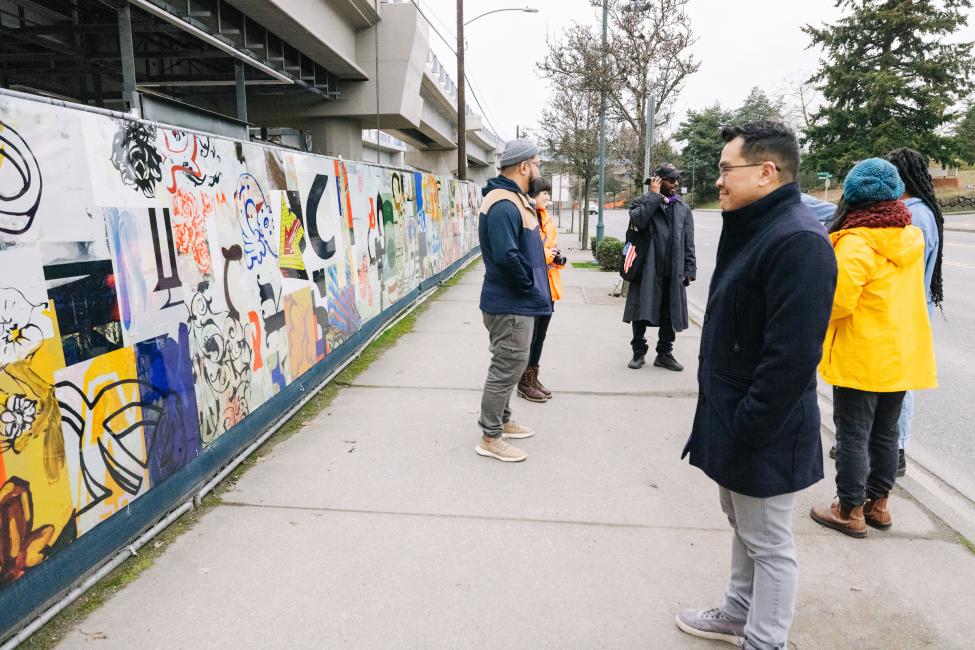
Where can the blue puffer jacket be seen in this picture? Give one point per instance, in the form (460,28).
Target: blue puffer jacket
(516,276)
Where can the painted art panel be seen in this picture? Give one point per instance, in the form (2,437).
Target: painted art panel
(221,349)
(158,285)
(302,332)
(150,291)
(35,496)
(45,188)
(125,162)
(172,433)
(104,431)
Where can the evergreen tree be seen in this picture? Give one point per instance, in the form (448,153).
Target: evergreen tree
(890,78)
(759,106)
(965,136)
(701,131)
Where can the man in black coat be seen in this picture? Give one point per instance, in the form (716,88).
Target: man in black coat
(756,432)
(659,299)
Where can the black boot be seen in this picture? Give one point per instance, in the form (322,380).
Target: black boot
(638,360)
(667,360)
(901,463)
(832,452)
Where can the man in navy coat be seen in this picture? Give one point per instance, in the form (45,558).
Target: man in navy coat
(756,431)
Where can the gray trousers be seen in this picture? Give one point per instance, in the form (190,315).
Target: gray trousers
(511,339)
(764,570)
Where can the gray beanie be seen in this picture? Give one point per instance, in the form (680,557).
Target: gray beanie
(517,151)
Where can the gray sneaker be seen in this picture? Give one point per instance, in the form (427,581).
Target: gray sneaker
(712,624)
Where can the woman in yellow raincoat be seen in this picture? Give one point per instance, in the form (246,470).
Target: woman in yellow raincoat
(878,344)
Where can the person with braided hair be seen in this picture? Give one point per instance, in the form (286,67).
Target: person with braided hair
(926,214)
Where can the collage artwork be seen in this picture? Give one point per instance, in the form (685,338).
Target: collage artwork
(157,286)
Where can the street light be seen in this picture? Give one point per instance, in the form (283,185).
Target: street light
(527,10)
(461,103)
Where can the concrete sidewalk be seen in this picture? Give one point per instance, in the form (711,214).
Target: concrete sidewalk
(378,525)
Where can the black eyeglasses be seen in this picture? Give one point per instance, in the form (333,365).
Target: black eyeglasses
(723,171)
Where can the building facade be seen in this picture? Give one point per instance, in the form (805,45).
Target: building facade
(349,78)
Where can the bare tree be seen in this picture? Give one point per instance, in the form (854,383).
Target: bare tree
(568,130)
(647,54)
(799,99)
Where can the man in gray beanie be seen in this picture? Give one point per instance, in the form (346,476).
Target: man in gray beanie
(514,293)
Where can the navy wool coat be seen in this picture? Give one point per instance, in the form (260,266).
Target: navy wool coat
(757,426)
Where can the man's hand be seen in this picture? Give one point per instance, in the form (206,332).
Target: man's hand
(688,280)
(655,184)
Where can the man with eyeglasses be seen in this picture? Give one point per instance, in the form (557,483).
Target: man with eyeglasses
(756,431)
(514,293)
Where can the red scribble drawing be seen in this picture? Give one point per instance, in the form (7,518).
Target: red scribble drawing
(184,152)
(256,340)
(290,235)
(189,227)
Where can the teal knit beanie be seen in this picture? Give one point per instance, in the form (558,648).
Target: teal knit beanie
(871,180)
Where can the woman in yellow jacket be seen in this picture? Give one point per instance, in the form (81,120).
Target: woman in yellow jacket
(530,387)
(878,344)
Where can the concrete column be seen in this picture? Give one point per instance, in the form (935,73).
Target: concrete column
(333,136)
(439,162)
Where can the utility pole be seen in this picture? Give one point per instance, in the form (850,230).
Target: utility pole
(648,140)
(600,228)
(461,104)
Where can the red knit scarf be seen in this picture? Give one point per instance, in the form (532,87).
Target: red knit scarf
(884,214)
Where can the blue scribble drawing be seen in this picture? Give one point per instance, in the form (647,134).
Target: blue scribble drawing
(257,225)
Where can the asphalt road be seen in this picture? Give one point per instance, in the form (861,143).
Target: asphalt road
(944,419)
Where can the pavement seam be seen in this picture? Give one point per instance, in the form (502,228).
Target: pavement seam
(674,394)
(535,520)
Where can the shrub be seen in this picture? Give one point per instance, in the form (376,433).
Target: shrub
(610,254)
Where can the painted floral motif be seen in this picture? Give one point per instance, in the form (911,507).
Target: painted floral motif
(17,417)
(20,331)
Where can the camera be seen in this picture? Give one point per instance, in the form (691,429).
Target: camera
(559,259)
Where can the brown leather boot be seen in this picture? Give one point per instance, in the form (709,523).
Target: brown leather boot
(526,388)
(538,384)
(876,514)
(847,521)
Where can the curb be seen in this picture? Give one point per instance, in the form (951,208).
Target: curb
(954,509)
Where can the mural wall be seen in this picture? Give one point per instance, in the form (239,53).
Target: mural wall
(157,286)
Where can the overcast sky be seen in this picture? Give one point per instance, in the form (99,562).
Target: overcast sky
(744,43)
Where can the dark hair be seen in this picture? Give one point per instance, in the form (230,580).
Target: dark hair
(838,221)
(767,140)
(913,169)
(540,184)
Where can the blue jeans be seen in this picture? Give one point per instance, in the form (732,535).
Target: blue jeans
(904,421)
